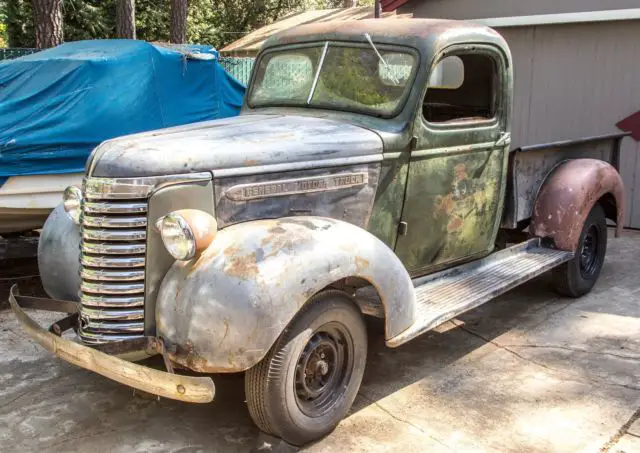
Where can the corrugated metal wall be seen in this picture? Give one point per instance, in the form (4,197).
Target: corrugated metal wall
(571,80)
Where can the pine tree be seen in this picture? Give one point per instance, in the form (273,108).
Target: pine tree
(48,23)
(179,11)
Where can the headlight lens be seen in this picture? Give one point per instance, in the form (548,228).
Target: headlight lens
(187,232)
(177,237)
(72,200)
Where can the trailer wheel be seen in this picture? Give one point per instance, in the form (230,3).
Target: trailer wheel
(307,382)
(576,277)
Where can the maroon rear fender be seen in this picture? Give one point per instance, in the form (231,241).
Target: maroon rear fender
(567,196)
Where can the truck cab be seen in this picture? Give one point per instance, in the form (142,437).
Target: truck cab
(369,174)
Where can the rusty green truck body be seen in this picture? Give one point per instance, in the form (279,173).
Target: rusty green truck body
(370,172)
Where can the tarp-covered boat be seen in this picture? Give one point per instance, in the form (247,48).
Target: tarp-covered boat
(58,104)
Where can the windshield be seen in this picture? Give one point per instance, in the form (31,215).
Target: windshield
(334,76)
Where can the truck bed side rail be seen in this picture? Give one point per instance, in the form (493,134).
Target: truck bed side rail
(529,167)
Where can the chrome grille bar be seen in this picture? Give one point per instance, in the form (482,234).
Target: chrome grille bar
(112,207)
(113,315)
(114,235)
(113,222)
(112,288)
(109,261)
(113,249)
(100,338)
(112,271)
(92,300)
(95,326)
(111,275)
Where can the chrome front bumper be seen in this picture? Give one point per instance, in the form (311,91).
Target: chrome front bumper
(184,388)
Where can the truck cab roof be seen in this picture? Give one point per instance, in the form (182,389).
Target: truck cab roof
(427,36)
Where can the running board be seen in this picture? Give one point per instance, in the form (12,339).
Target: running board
(447,294)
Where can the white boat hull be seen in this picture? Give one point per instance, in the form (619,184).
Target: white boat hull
(27,201)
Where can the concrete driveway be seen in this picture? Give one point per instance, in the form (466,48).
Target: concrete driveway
(529,372)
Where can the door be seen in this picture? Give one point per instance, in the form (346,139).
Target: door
(457,169)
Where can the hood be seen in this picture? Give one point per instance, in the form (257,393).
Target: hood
(234,145)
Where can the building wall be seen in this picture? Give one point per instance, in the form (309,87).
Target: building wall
(578,80)
(570,80)
(476,9)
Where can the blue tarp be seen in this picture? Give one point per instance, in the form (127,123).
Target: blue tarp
(59,104)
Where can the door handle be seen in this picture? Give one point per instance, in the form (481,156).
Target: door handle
(504,140)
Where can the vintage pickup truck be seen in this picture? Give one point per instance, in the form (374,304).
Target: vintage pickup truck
(370,173)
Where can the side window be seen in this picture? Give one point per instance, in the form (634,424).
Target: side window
(462,88)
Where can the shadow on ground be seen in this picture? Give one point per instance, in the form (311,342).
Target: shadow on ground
(528,372)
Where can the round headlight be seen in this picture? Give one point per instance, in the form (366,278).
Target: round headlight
(178,237)
(72,200)
(187,232)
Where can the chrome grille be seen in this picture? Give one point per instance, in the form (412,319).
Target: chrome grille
(112,269)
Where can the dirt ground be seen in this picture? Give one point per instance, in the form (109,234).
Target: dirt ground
(529,372)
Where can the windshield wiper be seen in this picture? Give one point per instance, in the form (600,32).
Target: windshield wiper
(387,67)
(317,76)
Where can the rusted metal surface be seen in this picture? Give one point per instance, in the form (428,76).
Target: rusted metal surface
(223,311)
(203,226)
(183,388)
(59,256)
(351,203)
(530,166)
(42,303)
(568,195)
(240,145)
(64,324)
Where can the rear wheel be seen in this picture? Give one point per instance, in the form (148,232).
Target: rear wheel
(576,277)
(307,382)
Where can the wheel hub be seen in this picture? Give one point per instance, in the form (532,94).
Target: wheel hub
(589,251)
(322,370)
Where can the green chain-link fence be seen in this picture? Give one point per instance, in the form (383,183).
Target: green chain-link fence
(238,67)
(10,53)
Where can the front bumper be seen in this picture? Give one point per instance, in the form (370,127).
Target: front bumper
(191,389)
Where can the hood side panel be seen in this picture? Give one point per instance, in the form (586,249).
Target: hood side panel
(308,193)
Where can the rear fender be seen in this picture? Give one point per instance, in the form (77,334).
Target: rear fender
(567,196)
(223,311)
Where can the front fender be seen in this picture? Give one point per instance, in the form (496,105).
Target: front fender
(567,196)
(59,256)
(223,311)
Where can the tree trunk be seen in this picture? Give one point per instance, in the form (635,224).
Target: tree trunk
(349,3)
(126,19)
(47,20)
(179,9)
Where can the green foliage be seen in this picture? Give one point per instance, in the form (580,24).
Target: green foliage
(19,23)
(3,27)
(201,28)
(88,19)
(153,19)
(215,22)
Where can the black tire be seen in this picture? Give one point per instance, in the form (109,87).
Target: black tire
(576,277)
(327,338)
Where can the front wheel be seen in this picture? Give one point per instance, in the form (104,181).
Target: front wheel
(576,277)
(307,382)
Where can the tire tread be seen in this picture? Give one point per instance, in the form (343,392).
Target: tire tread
(261,376)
